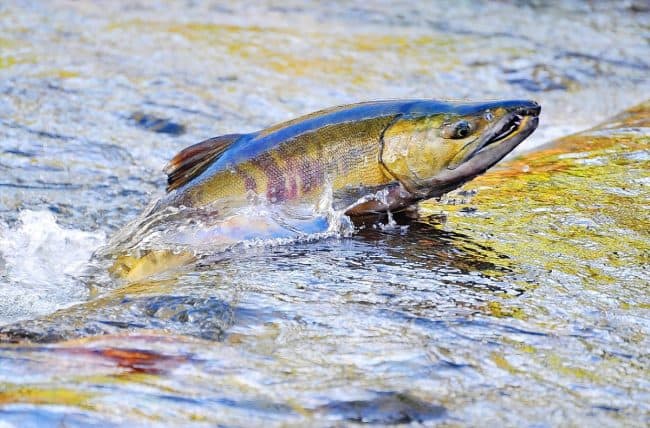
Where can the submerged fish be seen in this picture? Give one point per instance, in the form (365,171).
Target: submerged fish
(374,156)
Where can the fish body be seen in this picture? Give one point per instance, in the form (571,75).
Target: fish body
(295,160)
(353,150)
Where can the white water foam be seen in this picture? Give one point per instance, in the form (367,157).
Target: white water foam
(214,229)
(39,265)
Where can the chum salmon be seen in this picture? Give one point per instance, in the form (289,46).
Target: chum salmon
(368,158)
(412,150)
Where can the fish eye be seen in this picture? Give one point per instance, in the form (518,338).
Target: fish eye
(458,130)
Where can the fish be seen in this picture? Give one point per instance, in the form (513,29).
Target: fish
(364,160)
(373,156)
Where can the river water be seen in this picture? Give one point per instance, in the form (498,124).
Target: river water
(522,299)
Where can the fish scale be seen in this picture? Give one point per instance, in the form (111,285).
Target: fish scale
(333,154)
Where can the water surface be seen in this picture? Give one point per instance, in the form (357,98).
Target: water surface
(520,300)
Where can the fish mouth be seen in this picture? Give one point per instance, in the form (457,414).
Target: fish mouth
(511,124)
(506,128)
(494,145)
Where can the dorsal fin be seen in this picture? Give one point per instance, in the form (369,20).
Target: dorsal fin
(193,160)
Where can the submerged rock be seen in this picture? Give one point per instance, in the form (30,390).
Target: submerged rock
(203,317)
(386,408)
(574,211)
(157,124)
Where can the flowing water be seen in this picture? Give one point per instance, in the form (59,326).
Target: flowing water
(521,299)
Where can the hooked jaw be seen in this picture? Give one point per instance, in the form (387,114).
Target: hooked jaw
(506,134)
(512,123)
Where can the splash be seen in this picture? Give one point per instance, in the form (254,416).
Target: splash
(163,240)
(219,227)
(41,263)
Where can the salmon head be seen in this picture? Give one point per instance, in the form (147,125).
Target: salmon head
(432,150)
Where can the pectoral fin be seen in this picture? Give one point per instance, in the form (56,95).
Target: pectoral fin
(193,160)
